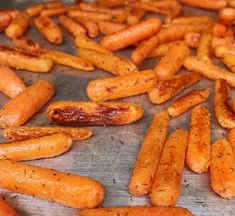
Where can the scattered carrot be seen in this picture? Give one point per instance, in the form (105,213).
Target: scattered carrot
(5,20)
(26,44)
(35,10)
(160,50)
(219,30)
(107,27)
(229,59)
(205,4)
(226,16)
(192,39)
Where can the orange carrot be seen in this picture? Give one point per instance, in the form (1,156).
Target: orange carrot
(205,4)
(26,44)
(107,27)
(5,208)
(5,20)
(53,12)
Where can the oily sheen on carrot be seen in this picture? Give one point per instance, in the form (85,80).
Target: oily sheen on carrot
(131,35)
(67,189)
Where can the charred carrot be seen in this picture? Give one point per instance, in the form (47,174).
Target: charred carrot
(26,44)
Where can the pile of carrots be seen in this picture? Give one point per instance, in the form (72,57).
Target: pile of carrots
(160,162)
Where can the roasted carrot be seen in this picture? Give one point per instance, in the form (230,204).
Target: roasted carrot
(137,211)
(18,110)
(107,27)
(54,4)
(135,16)
(149,155)
(53,185)
(164,90)
(220,50)
(226,16)
(88,15)
(131,35)
(112,3)
(91,113)
(171,63)
(192,39)
(144,49)
(91,27)
(24,132)
(219,30)
(205,4)
(223,113)
(5,208)
(204,47)
(209,70)
(12,12)
(84,42)
(222,169)
(26,44)
(221,41)
(53,12)
(49,30)
(65,59)
(160,50)
(37,148)
(10,83)
(228,59)
(5,20)
(122,86)
(18,26)
(192,20)
(199,148)
(24,61)
(166,185)
(187,101)
(74,28)
(35,10)
(110,63)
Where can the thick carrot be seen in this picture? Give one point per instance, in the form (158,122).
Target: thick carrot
(149,155)
(91,27)
(24,61)
(37,148)
(35,10)
(91,113)
(107,27)
(65,59)
(22,107)
(54,12)
(209,70)
(204,47)
(222,169)
(219,30)
(49,30)
(192,20)
(171,63)
(84,42)
(199,148)
(205,4)
(24,132)
(184,103)
(74,28)
(110,63)
(137,211)
(164,90)
(226,16)
(121,86)
(131,35)
(10,83)
(18,26)
(223,113)
(144,49)
(67,189)
(26,44)
(166,186)
(5,20)
(5,208)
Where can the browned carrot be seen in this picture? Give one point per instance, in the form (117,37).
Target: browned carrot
(137,211)
(88,15)
(24,132)
(91,27)
(204,47)
(26,44)
(53,12)
(18,110)
(164,90)
(35,10)
(166,186)
(5,20)
(10,83)
(220,50)
(18,26)
(144,49)
(91,113)
(206,4)
(199,148)
(170,64)
(135,16)
(5,208)
(53,185)
(228,59)
(132,35)
(121,86)
(49,30)
(222,169)
(110,63)
(24,61)
(107,27)
(149,155)
(74,28)
(42,147)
